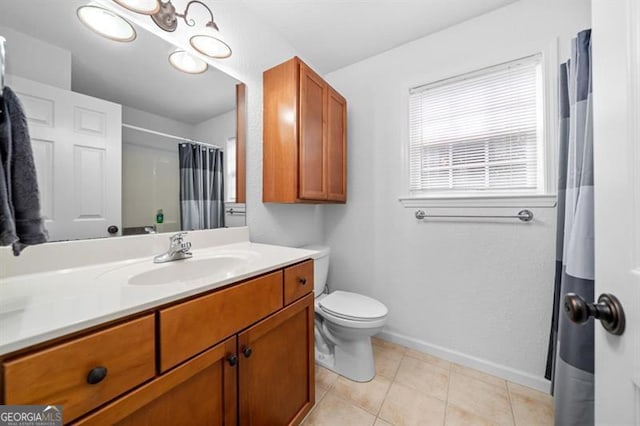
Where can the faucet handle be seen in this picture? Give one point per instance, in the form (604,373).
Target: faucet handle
(177,238)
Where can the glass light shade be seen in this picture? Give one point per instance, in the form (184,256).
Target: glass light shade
(146,7)
(186,62)
(106,23)
(210,46)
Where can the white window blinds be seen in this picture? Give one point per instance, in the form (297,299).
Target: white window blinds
(478,132)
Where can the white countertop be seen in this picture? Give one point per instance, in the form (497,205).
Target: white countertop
(38,307)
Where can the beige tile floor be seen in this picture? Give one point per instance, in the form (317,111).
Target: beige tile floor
(414,388)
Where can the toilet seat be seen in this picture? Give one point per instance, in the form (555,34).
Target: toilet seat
(352,306)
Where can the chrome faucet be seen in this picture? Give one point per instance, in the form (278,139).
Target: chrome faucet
(178,249)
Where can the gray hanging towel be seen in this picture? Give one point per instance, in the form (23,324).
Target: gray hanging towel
(20,220)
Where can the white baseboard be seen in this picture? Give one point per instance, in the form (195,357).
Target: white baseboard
(507,373)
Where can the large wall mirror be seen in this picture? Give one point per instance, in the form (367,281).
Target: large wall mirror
(124,142)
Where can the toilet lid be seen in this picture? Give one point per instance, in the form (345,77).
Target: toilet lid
(355,306)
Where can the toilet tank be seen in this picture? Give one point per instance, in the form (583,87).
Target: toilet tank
(320,267)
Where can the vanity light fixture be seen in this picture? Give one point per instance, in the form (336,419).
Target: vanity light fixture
(186,62)
(165,16)
(106,23)
(145,7)
(210,46)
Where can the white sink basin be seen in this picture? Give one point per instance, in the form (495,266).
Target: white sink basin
(190,270)
(201,269)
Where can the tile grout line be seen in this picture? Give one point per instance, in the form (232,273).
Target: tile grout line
(315,406)
(446,400)
(393,379)
(513,414)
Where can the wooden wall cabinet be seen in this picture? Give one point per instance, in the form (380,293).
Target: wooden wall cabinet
(242,355)
(304,137)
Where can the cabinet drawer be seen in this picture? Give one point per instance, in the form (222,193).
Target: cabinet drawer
(191,327)
(59,375)
(202,391)
(298,281)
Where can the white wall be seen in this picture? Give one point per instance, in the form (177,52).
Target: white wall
(477,292)
(217,129)
(256,48)
(150,170)
(34,59)
(155,122)
(150,181)
(150,167)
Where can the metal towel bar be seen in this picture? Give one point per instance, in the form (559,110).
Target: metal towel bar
(523,215)
(231,211)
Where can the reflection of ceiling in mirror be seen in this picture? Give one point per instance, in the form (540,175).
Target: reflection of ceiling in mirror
(137,74)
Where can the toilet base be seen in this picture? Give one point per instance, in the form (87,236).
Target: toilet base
(325,360)
(352,359)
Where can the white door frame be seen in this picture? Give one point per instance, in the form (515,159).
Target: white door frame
(616,94)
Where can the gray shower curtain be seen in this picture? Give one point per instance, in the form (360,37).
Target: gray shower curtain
(201,187)
(571,346)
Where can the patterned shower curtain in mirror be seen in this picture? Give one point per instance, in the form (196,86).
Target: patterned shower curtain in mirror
(571,346)
(201,187)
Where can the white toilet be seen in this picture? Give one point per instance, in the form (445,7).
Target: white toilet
(345,322)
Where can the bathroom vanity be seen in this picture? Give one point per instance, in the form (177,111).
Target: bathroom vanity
(225,347)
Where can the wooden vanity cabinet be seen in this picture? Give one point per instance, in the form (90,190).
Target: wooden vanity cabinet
(304,137)
(276,367)
(243,354)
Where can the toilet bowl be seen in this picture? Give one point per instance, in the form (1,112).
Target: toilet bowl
(344,324)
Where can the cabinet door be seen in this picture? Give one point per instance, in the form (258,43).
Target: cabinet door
(336,147)
(277,367)
(312,155)
(202,391)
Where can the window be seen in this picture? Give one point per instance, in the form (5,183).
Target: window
(479,133)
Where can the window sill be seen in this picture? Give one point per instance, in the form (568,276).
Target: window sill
(475,201)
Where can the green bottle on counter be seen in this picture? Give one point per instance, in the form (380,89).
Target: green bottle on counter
(159,216)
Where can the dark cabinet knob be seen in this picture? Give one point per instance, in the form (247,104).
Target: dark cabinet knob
(247,352)
(302,281)
(608,310)
(232,360)
(96,375)
(112,229)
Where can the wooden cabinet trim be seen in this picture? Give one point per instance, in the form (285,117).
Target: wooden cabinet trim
(336,167)
(280,132)
(125,406)
(311,169)
(241,143)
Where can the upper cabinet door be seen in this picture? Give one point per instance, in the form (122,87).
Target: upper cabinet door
(312,154)
(336,147)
